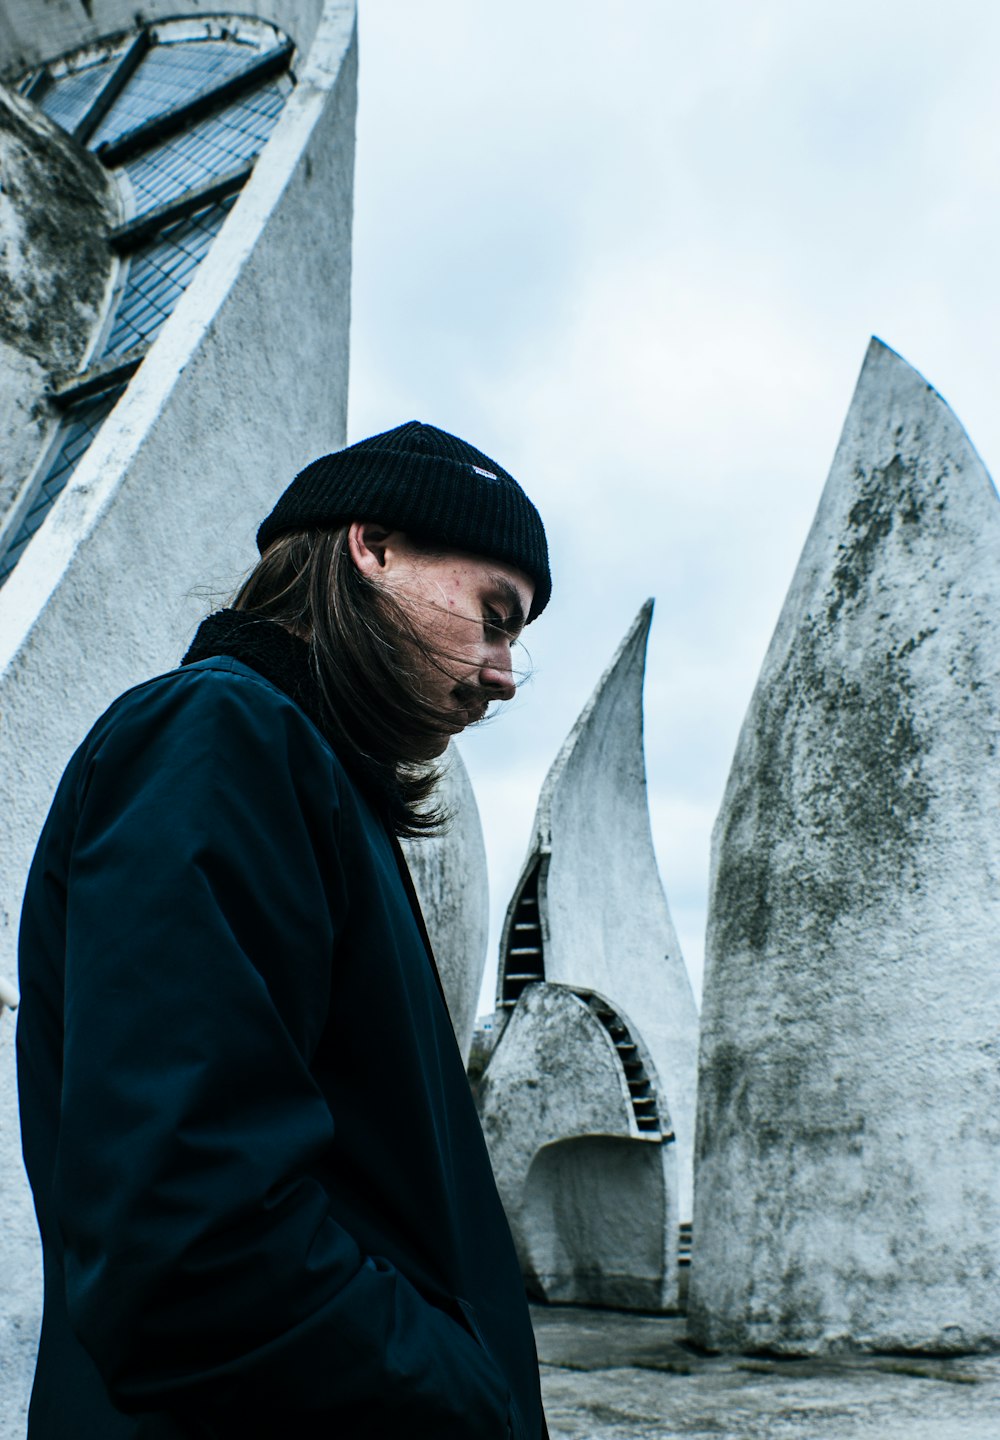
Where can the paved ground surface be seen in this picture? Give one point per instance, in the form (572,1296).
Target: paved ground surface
(609,1376)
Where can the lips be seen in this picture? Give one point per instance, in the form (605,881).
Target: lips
(471,715)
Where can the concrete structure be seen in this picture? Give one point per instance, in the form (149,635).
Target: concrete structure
(57,208)
(245,381)
(587,1175)
(588,1099)
(589,909)
(449,875)
(848,1161)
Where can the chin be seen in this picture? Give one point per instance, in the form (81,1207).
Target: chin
(434,746)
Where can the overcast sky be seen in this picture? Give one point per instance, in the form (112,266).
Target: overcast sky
(635,252)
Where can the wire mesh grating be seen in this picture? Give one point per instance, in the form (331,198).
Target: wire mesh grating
(160,273)
(76,431)
(69,97)
(172,75)
(212,147)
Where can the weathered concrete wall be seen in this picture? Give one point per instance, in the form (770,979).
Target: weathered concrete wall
(221,414)
(848,1160)
(449,875)
(20,1293)
(32,33)
(592,1202)
(604,917)
(57,204)
(165,502)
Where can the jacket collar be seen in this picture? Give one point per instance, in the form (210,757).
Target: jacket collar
(266,647)
(285,660)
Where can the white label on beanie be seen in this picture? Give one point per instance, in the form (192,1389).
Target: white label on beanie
(480,471)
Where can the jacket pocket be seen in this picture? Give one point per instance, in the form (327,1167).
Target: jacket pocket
(515,1424)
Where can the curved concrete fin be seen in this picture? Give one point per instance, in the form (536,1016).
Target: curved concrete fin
(849,1119)
(615,706)
(449,875)
(589,910)
(586,1176)
(522,954)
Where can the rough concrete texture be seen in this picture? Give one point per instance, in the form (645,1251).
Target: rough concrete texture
(449,875)
(19,1292)
(592,1202)
(157,522)
(604,919)
(57,204)
(848,1157)
(630,1377)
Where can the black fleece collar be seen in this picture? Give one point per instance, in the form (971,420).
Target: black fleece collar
(270,649)
(286,661)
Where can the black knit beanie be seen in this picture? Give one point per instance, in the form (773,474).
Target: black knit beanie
(429,483)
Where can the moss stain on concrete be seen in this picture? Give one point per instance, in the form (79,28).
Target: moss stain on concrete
(835,768)
(55,264)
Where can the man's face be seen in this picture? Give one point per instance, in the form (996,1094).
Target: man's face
(466,610)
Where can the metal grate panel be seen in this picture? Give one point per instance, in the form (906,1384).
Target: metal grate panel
(640,1088)
(171,75)
(212,147)
(77,429)
(159,274)
(69,97)
(524,961)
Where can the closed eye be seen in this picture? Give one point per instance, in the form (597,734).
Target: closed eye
(502,609)
(495,625)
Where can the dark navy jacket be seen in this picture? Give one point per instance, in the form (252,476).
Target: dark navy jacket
(265,1201)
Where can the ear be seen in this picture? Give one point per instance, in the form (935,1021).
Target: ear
(367,542)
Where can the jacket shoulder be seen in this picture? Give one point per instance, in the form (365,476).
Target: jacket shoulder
(220,686)
(203,722)
(202,682)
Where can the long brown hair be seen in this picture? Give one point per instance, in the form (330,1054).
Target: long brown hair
(368,661)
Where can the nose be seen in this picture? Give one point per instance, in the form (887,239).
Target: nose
(496,675)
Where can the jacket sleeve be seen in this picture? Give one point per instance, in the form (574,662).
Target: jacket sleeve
(205,1273)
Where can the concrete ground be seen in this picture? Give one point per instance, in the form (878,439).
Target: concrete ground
(611,1376)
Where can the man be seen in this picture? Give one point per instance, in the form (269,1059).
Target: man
(265,1202)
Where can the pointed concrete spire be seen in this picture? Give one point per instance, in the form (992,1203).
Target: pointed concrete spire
(449,876)
(589,910)
(848,1181)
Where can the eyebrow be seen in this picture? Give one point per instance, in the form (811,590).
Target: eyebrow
(507,592)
